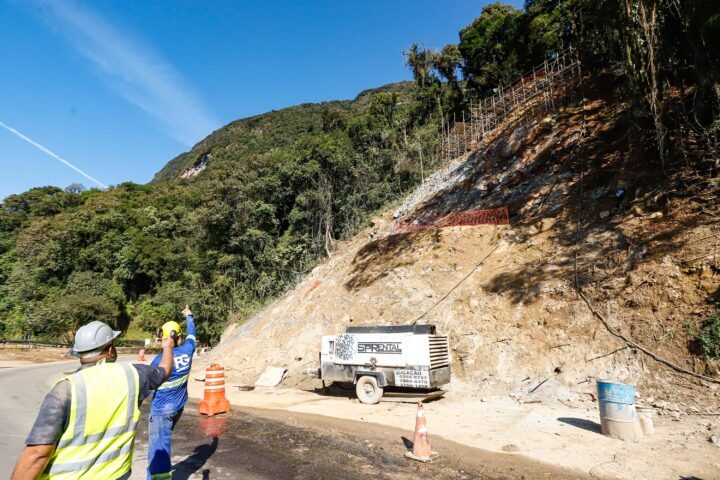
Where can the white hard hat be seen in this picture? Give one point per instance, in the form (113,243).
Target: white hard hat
(90,339)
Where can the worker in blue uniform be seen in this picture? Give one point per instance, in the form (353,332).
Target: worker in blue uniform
(170,399)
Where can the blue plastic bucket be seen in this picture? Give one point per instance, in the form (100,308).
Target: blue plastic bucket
(609,391)
(618,418)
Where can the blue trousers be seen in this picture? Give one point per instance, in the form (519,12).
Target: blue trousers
(160,429)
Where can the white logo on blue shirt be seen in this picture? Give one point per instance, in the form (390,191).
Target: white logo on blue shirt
(182,362)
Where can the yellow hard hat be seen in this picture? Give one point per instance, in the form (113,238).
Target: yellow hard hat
(169,327)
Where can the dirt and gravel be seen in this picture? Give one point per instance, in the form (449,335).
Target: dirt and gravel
(266,444)
(543,430)
(13,355)
(588,208)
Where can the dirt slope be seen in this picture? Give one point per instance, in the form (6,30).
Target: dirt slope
(583,197)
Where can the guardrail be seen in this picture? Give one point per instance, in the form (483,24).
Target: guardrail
(132,345)
(34,343)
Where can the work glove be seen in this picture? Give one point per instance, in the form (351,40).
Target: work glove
(187,311)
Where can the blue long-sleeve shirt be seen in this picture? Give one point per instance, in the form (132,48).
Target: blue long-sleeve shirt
(172,395)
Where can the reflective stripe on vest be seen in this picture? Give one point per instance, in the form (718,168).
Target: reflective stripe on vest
(175,383)
(98,439)
(161,476)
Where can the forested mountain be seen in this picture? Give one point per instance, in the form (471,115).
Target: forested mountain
(278,129)
(235,221)
(279,189)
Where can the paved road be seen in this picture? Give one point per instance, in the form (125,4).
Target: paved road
(263,445)
(21,393)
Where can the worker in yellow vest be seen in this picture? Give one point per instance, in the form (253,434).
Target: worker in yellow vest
(86,425)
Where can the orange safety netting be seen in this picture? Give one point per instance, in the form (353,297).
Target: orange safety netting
(496,216)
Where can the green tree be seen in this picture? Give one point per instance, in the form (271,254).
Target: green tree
(491,47)
(420,60)
(447,62)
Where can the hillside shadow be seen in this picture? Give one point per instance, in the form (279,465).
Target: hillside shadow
(376,259)
(603,177)
(579,190)
(586,187)
(493,181)
(549,161)
(604,249)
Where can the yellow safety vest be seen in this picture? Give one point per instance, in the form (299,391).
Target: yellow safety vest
(97,442)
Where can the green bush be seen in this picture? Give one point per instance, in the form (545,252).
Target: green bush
(708,337)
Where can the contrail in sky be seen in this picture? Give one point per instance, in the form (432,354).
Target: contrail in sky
(133,69)
(51,153)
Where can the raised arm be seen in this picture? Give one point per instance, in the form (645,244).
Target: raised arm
(191,328)
(191,332)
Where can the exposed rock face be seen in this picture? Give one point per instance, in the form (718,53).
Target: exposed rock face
(515,142)
(199,165)
(505,295)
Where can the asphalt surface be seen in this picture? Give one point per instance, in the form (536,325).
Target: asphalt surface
(22,390)
(266,444)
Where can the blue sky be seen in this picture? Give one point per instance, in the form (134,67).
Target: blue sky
(117,88)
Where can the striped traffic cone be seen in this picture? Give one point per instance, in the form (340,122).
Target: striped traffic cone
(214,400)
(421,450)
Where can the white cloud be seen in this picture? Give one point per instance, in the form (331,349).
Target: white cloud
(134,70)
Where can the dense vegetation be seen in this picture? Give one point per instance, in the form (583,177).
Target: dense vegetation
(280,188)
(662,55)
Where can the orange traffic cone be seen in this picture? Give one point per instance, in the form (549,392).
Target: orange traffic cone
(141,355)
(214,400)
(421,445)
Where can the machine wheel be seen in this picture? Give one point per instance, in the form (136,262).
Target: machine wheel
(368,391)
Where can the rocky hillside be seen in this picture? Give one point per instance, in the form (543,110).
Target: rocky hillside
(587,207)
(250,137)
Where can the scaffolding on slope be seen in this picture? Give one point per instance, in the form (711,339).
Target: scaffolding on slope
(541,90)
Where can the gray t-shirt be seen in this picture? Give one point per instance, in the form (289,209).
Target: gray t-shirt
(55,409)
